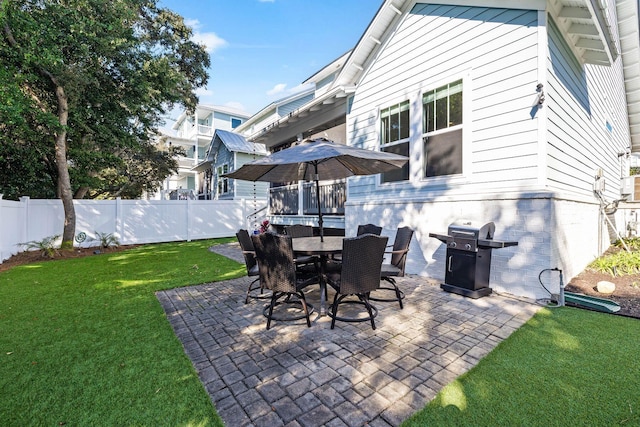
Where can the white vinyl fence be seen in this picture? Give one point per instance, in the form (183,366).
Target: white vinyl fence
(131,221)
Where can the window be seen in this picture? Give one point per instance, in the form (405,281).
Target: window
(235,122)
(223,182)
(394,137)
(442,130)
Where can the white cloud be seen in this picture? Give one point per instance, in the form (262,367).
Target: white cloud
(211,40)
(277,89)
(204,91)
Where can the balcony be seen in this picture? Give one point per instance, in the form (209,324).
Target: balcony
(192,131)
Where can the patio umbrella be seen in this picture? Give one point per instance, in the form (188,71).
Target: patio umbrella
(315,160)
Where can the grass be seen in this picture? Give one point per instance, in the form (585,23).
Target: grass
(85,342)
(564,367)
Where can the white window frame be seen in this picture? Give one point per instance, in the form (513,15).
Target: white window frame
(407,140)
(466,127)
(232,118)
(222,181)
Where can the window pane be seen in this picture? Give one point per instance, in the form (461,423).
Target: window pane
(404,122)
(398,174)
(394,129)
(441,111)
(384,130)
(455,109)
(429,116)
(444,154)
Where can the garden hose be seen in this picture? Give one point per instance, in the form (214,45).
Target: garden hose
(560,301)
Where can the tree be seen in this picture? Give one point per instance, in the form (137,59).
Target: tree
(86,83)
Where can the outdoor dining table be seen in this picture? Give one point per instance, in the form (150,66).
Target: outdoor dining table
(315,246)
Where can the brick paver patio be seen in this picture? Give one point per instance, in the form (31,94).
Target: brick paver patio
(350,376)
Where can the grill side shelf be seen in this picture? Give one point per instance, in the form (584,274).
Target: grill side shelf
(495,244)
(442,237)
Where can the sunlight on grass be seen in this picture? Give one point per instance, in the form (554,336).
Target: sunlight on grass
(131,283)
(453,395)
(565,341)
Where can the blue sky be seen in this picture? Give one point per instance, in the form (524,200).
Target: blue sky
(262,50)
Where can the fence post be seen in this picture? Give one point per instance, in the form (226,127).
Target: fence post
(25,224)
(189,207)
(118,225)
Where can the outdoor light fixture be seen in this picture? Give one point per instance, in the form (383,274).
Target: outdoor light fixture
(540,90)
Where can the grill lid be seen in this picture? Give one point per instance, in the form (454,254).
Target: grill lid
(466,229)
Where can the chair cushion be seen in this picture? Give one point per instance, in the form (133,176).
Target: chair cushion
(389,270)
(306,259)
(254,271)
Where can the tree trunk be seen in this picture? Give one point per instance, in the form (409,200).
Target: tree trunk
(64,180)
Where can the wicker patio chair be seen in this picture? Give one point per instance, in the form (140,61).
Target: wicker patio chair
(369,229)
(252,266)
(278,272)
(299,230)
(395,268)
(362,258)
(307,263)
(362,229)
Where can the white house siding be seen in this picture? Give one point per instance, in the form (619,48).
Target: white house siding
(581,100)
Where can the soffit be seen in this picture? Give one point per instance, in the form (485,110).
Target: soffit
(588,26)
(627,11)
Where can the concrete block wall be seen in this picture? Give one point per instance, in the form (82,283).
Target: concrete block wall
(551,232)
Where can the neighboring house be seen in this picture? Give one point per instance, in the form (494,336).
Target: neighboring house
(512,114)
(193,132)
(227,152)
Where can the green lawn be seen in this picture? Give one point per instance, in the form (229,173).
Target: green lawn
(85,341)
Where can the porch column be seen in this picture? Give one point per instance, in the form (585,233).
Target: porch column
(300,197)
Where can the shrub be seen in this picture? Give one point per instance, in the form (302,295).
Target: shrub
(46,246)
(107,240)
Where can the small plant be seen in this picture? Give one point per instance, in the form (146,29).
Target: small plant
(107,240)
(46,246)
(618,264)
(633,243)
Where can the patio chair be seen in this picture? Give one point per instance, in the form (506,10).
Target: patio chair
(362,258)
(362,229)
(299,230)
(252,265)
(278,272)
(369,229)
(395,268)
(306,264)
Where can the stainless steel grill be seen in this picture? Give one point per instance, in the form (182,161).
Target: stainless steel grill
(468,258)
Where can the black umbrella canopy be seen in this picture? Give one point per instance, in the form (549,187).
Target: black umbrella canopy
(319,159)
(333,161)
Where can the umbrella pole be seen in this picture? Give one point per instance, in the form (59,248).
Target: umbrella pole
(315,165)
